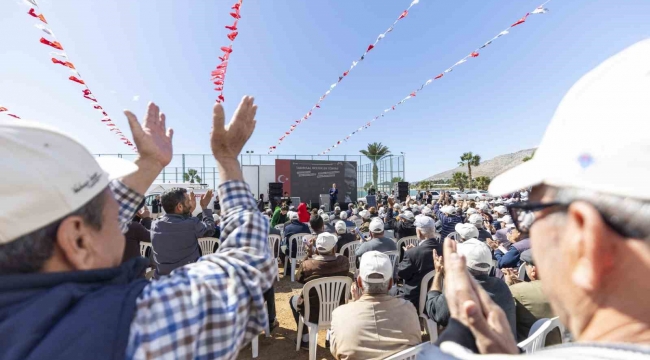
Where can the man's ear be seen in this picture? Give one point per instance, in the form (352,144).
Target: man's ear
(73,238)
(591,245)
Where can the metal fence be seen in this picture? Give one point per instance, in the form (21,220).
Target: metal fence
(389,168)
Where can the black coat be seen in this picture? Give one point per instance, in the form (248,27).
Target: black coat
(417,262)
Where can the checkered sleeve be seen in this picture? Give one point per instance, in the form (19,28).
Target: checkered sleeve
(128,199)
(212,308)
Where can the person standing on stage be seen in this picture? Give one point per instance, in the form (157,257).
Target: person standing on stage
(334,193)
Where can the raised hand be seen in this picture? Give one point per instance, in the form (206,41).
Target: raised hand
(144,212)
(153,140)
(437,262)
(227,141)
(205,199)
(192,202)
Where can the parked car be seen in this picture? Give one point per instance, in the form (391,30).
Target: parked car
(478,195)
(435,195)
(458,195)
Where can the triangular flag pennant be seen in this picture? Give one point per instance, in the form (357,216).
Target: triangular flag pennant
(340,78)
(414,2)
(370,47)
(520,21)
(46,30)
(333,86)
(318,106)
(540,10)
(381,36)
(232,35)
(448,70)
(354,63)
(33,2)
(231,28)
(460,62)
(486,44)
(227,50)
(428,82)
(33,13)
(54,44)
(64,63)
(14,116)
(406,12)
(346,73)
(504,32)
(412,94)
(474,54)
(439,76)
(77,80)
(59,54)
(2,108)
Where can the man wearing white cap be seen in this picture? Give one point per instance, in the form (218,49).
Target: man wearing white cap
(479,261)
(344,218)
(377,240)
(325,262)
(344,237)
(591,226)
(326,224)
(466,232)
(365,216)
(479,223)
(447,216)
(403,225)
(63,292)
(417,262)
(374,325)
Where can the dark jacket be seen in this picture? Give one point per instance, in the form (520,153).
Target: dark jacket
(260,205)
(511,258)
(343,240)
(175,240)
(417,262)
(438,310)
(136,233)
(404,228)
(69,315)
(295,227)
(319,267)
(483,234)
(155,206)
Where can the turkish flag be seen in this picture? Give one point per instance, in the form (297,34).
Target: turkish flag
(2,108)
(406,12)
(520,21)
(474,54)
(233,35)
(439,76)
(370,47)
(77,80)
(54,44)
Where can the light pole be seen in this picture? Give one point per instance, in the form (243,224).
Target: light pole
(404,165)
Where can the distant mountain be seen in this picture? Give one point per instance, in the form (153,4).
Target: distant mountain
(489,168)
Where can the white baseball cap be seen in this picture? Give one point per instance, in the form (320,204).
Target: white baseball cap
(365,214)
(447,209)
(475,219)
(326,218)
(293,215)
(325,242)
(408,215)
(374,262)
(466,231)
(598,133)
(48,175)
(340,227)
(477,254)
(501,209)
(424,222)
(376,225)
(344,215)
(471,211)
(427,211)
(337,208)
(506,219)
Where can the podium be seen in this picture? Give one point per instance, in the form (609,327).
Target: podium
(325,200)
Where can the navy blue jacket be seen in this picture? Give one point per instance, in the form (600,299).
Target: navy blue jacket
(69,315)
(295,227)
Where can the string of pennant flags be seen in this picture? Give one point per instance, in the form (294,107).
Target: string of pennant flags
(4,109)
(474,54)
(342,76)
(61,58)
(219,74)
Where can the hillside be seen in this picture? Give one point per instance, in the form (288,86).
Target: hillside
(489,168)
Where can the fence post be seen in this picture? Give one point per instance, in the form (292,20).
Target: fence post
(203,170)
(183,157)
(214,177)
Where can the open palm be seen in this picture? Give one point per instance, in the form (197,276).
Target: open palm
(152,138)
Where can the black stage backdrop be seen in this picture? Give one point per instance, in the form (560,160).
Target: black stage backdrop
(310,178)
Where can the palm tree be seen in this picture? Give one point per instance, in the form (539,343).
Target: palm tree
(468,159)
(482,182)
(367,186)
(459,180)
(375,152)
(191,175)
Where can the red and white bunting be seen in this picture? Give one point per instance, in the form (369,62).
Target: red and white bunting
(219,73)
(473,54)
(76,77)
(402,15)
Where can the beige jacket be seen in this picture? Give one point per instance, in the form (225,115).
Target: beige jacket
(374,327)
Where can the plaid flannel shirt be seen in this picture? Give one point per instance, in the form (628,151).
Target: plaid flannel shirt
(128,200)
(212,308)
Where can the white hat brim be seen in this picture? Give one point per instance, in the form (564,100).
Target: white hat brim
(115,167)
(527,174)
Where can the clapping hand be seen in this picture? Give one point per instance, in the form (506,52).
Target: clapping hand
(511,276)
(470,304)
(192,202)
(438,264)
(144,212)
(153,140)
(227,141)
(205,200)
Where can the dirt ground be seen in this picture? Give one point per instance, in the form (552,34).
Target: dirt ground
(282,343)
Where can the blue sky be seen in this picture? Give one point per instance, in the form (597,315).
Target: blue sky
(289,52)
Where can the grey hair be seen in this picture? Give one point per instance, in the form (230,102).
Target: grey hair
(375,288)
(474,272)
(430,233)
(627,214)
(28,253)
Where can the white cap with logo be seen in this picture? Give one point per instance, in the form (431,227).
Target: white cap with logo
(477,254)
(376,226)
(325,242)
(374,262)
(595,132)
(48,175)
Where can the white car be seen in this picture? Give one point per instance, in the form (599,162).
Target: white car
(458,195)
(479,195)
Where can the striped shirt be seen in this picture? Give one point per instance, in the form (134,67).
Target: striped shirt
(448,222)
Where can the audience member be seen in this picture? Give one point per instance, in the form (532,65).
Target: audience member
(260,203)
(217,227)
(446,215)
(344,218)
(479,261)
(403,225)
(377,240)
(418,260)
(293,228)
(355,215)
(155,206)
(344,237)
(519,242)
(136,234)
(60,267)
(326,262)
(303,214)
(373,325)
(365,216)
(466,232)
(478,221)
(174,236)
(280,215)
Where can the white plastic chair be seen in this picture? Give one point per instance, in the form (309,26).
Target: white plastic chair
(273,240)
(358,222)
(408,354)
(300,254)
(431,326)
(280,227)
(522,272)
(394,256)
(329,289)
(540,329)
(454,235)
(255,343)
(352,257)
(207,245)
(143,248)
(390,234)
(408,240)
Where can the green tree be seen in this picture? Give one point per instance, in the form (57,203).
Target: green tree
(459,180)
(530,157)
(375,152)
(468,159)
(424,185)
(192,176)
(396,179)
(482,182)
(367,186)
